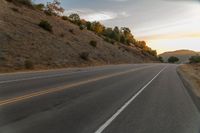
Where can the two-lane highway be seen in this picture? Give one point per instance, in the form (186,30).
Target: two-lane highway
(145,98)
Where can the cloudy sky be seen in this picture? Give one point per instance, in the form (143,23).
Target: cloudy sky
(164,24)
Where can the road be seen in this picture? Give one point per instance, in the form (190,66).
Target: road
(135,98)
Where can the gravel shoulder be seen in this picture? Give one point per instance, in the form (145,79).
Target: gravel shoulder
(190,75)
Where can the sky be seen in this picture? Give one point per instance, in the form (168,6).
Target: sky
(165,25)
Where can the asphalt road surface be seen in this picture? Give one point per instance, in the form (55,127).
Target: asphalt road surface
(140,98)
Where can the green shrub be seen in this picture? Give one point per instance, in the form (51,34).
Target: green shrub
(173,59)
(84,55)
(28,64)
(93,43)
(39,7)
(45,25)
(81,27)
(109,40)
(195,59)
(160,59)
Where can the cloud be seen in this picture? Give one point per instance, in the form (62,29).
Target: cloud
(183,0)
(170,36)
(119,0)
(100,16)
(92,15)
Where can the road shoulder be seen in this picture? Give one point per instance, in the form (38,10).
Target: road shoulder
(189,76)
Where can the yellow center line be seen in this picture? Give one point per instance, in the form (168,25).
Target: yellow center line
(57,89)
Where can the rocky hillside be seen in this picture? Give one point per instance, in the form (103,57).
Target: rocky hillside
(25,45)
(183,55)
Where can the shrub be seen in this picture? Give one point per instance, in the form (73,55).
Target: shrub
(195,59)
(62,35)
(65,18)
(48,13)
(39,7)
(173,59)
(84,55)
(28,64)
(93,43)
(15,9)
(45,25)
(160,59)
(71,31)
(81,27)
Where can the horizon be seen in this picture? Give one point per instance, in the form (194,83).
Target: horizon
(165,25)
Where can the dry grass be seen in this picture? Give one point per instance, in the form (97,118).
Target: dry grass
(192,73)
(22,39)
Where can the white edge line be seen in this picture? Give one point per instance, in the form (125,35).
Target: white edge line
(112,118)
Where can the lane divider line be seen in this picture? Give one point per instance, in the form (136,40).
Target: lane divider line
(45,76)
(115,115)
(42,77)
(57,89)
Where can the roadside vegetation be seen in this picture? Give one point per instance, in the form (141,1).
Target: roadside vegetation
(121,35)
(45,25)
(195,59)
(173,59)
(50,40)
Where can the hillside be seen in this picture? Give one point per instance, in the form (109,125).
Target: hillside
(26,45)
(183,55)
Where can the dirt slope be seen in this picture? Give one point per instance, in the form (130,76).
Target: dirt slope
(22,40)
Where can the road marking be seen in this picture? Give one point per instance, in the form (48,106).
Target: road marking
(47,76)
(53,90)
(113,117)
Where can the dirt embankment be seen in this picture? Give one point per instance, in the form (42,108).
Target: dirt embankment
(190,74)
(23,44)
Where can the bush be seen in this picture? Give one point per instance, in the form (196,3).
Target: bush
(109,40)
(28,64)
(173,59)
(84,56)
(160,59)
(195,59)
(81,27)
(39,7)
(62,35)
(71,31)
(15,9)
(93,43)
(48,13)
(65,18)
(45,25)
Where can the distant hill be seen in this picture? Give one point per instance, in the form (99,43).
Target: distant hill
(183,55)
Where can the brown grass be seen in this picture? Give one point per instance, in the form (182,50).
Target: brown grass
(22,39)
(192,73)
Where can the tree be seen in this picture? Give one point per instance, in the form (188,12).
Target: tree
(173,59)
(129,38)
(75,18)
(195,59)
(161,59)
(89,25)
(54,8)
(116,34)
(97,27)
